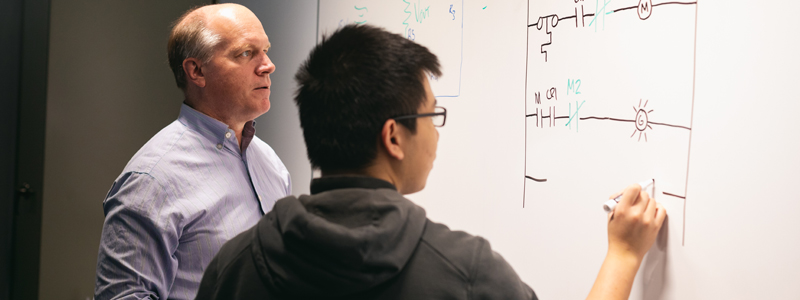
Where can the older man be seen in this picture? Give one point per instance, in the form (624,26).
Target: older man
(204,178)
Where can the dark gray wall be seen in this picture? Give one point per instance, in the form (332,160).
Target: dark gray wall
(31,120)
(10,45)
(109,90)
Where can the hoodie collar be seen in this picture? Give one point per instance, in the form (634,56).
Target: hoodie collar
(328,183)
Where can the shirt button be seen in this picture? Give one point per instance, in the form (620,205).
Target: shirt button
(227,135)
(219,146)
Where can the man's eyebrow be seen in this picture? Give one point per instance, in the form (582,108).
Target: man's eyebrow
(238,48)
(243,46)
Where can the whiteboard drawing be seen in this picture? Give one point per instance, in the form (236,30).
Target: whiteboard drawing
(609,97)
(435,24)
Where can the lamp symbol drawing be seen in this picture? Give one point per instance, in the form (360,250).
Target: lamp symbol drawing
(642,121)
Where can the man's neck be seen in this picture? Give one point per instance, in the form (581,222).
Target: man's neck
(236,125)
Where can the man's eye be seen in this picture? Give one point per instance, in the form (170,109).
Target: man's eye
(246,53)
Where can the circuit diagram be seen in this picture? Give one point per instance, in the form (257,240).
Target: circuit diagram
(609,85)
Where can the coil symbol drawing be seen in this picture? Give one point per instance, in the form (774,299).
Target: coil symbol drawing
(641,120)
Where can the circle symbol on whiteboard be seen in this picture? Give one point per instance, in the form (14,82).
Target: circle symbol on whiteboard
(642,120)
(645,9)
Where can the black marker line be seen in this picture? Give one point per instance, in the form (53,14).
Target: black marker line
(676,2)
(670,125)
(562,117)
(564,18)
(654,5)
(536,179)
(691,122)
(626,8)
(673,195)
(625,120)
(606,118)
(526,105)
(527,53)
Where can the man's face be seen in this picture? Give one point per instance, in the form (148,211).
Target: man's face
(237,77)
(421,148)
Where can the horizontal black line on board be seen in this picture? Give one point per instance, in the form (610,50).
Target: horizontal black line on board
(658,4)
(625,120)
(675,2)
(670,125)
(626,8)
(536,179)
(612,119)
(618,10)
(673,195)
(606,118)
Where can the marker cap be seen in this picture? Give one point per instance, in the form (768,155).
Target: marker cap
(609,205)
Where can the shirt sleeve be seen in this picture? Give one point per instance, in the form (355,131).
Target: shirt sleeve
(494,278)
(140,235)
(288,184)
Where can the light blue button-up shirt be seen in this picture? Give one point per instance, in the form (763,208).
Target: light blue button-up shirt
(183,194)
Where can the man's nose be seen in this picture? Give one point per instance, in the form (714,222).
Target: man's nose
(266,66)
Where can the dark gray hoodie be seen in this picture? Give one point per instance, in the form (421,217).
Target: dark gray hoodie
(357,238)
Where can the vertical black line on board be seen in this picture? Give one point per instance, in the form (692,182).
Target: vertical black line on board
(691,125)
(525,161)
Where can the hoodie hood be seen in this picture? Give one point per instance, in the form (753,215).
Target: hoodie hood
(352,234)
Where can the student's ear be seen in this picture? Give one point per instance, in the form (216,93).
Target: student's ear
(194,71)
(392,139)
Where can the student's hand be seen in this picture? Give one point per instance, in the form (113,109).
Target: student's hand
(632,229)
(634,223)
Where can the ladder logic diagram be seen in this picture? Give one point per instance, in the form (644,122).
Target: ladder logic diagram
(609,95)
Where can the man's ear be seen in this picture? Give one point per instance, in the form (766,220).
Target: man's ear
(392,139)
(194,71)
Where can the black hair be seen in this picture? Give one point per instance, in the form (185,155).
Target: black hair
(350,85)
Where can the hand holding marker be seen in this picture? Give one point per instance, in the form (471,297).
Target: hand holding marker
(610,204)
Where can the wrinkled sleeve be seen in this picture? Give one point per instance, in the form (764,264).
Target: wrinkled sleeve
(136,256)
(493,277)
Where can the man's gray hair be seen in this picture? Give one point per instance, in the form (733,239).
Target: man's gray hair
(190,38)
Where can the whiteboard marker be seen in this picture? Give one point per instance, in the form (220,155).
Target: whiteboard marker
(610,204)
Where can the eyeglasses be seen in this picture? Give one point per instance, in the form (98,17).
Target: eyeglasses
(438,116)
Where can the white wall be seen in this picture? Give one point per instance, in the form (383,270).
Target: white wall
(109,90)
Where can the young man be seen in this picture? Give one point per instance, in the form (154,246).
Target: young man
(204,178)
(369,120)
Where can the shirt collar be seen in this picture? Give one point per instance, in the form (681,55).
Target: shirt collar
(328,183)
(212,129)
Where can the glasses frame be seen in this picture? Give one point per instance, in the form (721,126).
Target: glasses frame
(433,114)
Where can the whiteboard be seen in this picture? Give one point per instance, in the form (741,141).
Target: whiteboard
(555,105)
